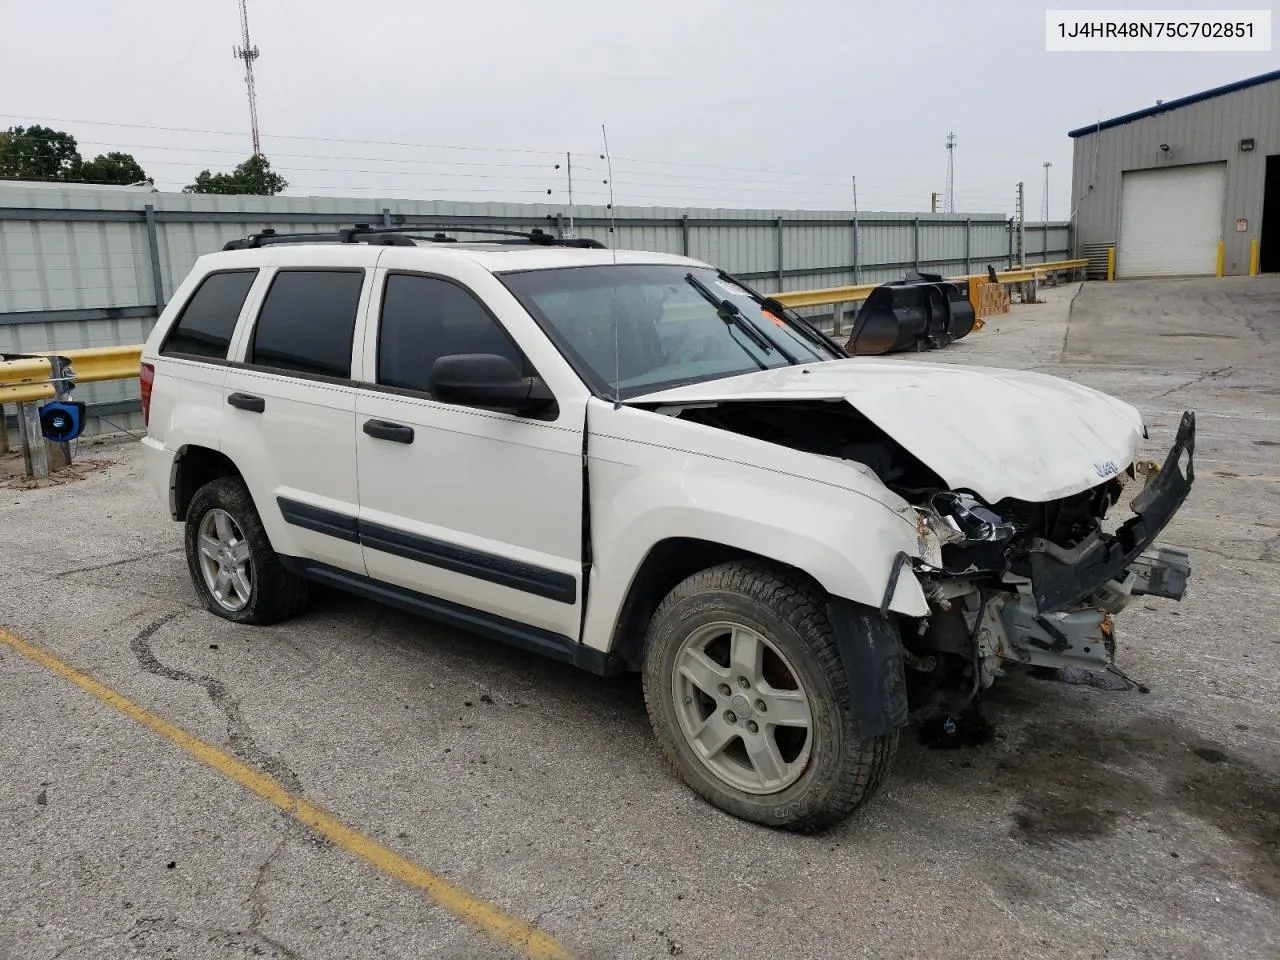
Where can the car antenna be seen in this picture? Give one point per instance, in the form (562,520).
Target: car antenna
(617,361)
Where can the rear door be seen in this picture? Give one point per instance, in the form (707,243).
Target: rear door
(477,511)
(290,409)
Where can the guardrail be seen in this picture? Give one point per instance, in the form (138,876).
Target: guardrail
(31,379)
(26,380)
(1030,273)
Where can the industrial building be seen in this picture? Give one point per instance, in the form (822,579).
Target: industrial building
(1188,187)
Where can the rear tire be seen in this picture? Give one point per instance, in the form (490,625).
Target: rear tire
(733,747)
(233,566)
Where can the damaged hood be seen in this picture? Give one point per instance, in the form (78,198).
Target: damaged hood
(998,433)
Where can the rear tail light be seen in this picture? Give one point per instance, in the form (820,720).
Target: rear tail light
(146,376)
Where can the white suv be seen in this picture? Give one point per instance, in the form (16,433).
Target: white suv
(632,461)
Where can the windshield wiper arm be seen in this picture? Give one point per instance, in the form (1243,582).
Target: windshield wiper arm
(785,313)
(728,311)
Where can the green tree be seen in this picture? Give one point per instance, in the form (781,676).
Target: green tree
(40,153)
(254,176)
(37,153)
(112,167)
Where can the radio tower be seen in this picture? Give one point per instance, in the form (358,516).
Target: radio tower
(248,53)
(949,201)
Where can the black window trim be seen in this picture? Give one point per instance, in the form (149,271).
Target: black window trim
(303,374)
(529,369)
(177,321)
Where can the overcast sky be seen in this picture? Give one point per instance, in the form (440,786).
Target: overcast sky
(736,103)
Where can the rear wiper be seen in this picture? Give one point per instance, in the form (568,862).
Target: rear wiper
(785,313)
(728,311)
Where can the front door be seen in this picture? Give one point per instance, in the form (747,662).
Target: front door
(476,511)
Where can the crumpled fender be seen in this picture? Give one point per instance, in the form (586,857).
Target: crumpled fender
(845,540)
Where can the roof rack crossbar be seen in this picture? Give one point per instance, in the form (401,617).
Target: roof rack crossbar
(536,236)
(406,234)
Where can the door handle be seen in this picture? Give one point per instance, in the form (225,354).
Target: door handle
(395,432)
(247,401)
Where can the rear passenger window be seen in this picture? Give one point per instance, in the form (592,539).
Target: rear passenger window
(307,322)
(423,319)
(206,323)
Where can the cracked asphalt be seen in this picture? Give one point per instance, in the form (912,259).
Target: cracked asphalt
(1096,823)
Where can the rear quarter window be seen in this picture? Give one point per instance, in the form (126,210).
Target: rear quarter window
(205,326)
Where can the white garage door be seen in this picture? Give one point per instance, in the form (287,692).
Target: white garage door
(1171,221)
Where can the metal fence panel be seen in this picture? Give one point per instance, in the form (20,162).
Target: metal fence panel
(84,266)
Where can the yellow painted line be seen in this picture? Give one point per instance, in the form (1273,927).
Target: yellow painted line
(522,938)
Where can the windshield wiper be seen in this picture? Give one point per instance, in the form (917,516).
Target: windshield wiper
(787,315)
(728,311)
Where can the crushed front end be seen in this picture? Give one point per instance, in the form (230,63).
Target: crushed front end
(1038,584)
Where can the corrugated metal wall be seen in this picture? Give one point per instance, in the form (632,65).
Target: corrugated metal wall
(1208,131)
(76,263)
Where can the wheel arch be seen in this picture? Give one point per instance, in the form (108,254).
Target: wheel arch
(667,563)
(194,466)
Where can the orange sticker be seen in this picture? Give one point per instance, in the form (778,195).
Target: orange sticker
(776,320)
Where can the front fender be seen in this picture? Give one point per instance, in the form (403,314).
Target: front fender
(845,540)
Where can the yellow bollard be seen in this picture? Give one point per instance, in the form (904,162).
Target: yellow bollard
(1221,248)
(1253,257)
(1111,263)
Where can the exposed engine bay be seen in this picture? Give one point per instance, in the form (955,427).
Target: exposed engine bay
(1008,583)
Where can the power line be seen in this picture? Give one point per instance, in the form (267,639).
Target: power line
(280,136)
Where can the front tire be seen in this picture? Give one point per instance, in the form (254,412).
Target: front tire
(233,567)
(748,699)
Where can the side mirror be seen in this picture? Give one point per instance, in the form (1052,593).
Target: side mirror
(489,381)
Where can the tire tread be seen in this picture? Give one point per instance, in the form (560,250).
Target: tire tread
(866,761)
(278,594)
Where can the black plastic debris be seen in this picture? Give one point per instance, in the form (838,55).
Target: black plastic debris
(922,312)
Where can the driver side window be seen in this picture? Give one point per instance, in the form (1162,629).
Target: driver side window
(425,318)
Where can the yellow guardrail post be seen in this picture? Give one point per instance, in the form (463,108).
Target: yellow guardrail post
(35,455)
(1221,250)
(26,381)
(1111,263)
(1253,257)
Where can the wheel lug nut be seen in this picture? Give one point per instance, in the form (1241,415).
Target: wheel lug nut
(730,717)
(751,725)
(761,706)
(744,683)
(724,690)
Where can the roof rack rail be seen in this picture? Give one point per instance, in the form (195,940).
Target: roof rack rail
(405,235)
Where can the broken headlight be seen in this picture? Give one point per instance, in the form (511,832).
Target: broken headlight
(958,517)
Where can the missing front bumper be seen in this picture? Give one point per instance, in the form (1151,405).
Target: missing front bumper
(1062,578)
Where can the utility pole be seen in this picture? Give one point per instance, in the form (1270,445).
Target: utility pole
(248,53)
(933,202)
(855,193)
(1020,215)
(1044,212)
(950,200)
(568,169)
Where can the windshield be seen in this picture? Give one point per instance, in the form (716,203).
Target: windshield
(670,323)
